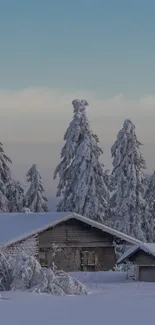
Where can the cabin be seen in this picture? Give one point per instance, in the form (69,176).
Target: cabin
(142,257)
(82,244)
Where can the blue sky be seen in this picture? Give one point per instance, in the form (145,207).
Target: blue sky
(54,51)
(104,46)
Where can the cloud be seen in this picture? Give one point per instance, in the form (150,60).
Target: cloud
(39,101)
(54,101)
(42,114)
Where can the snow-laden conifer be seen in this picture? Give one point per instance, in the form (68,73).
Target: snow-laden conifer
(15,196)
(150,209)
(82,180)
(150,190)
(4,205)
(11,191)
(127,203)
(5,173)
(34,197)
(5,177)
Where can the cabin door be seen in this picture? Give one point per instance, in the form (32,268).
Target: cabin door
(147,273)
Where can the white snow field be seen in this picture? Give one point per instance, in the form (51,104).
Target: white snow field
(112,300)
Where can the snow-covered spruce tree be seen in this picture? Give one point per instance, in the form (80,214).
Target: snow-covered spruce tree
(15,196)
(150,190)
(127,203)
(150,209)
(11,192)
(82,180)
(5,173)
(4,206)
(5,177)
(34,198)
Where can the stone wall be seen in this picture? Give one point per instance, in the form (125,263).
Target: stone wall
(29,246)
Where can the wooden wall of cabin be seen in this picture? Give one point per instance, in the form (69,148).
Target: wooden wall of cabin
(71,259)
(142,258)
(81,247)
(74,232)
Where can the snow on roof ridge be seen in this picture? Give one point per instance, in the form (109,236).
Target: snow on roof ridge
(23,234)
(38,230)
(110,230)
(70,215)
(146,247)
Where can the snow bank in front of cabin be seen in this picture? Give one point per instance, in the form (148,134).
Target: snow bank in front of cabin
(24,273)
(114,300)
(99,277)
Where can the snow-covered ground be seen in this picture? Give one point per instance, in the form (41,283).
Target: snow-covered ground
(112,300)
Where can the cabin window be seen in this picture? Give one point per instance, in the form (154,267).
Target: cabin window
(88,258)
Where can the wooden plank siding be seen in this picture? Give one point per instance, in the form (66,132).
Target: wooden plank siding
(69,259)
(74,232)
(144,266)
(75,238)
(142,258)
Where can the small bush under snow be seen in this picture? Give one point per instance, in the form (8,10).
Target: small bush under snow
(24,273)
(70,285)
(130,270)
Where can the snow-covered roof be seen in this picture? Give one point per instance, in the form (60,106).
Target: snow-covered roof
(15,227)
(148,248)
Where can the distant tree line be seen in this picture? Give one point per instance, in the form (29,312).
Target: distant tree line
(13,198)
